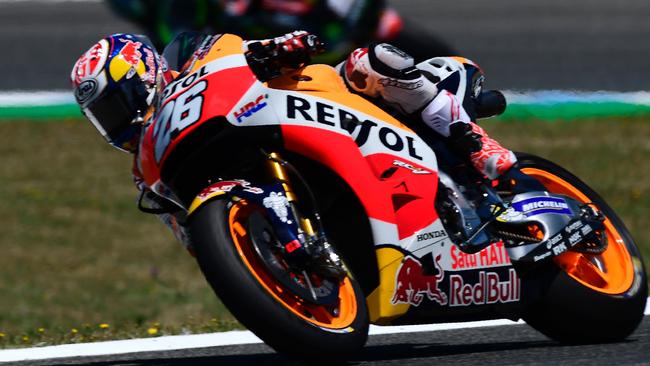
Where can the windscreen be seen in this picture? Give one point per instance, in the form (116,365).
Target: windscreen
(181,48)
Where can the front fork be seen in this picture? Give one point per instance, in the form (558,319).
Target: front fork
(301,239)
(313,241)
(279,172)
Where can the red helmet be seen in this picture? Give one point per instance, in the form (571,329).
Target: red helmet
(115,83)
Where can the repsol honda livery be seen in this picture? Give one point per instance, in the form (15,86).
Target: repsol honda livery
(313,213)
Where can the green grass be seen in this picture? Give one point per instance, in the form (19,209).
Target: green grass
(76,253)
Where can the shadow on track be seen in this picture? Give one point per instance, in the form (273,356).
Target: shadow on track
(367,356)
(403,351)
(271,359)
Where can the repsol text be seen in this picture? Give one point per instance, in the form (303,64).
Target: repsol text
(333,116)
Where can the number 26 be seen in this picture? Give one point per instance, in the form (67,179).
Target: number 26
(177,115)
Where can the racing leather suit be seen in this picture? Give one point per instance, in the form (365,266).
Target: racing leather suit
(386,72)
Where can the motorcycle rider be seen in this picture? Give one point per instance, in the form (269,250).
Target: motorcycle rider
(117,81)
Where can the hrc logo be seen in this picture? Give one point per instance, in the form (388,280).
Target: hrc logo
(251,108)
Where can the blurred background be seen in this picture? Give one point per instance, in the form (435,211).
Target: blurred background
(78,262)
(551,44)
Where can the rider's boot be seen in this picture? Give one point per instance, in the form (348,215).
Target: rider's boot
(491,159)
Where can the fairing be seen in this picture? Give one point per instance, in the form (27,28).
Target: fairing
(389,168)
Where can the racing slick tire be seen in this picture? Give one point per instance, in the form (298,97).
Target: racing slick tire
(223,233)
(587,298)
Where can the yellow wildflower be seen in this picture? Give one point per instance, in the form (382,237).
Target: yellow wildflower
(41,330)
(104,326)
(74,331)
(25,338)
(2,335)
(152,331)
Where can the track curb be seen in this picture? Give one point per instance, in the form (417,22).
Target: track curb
(548,105)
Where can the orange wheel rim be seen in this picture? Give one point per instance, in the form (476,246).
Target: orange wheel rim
(339,317)
(611,271)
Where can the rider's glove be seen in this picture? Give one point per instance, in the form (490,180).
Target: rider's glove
(295,49)
(463,139)
(268,57)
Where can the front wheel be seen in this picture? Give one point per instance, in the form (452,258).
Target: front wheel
(587,297)
(233,244)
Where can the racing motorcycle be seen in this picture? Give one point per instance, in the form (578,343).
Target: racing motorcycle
(314,213)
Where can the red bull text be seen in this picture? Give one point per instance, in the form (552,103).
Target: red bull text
(488,290)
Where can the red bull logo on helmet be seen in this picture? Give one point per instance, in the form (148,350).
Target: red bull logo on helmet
(412,285)
(128,62)
(131,52)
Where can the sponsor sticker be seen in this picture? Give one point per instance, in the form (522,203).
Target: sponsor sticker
(412,285)
(251,108)
(279,204)
(431,235)
(494,255)
(510,215)
(128,61)
(131,52)
(541,205)
(323,113)
(565,239)
(228,185)
(150,60)
(410,167)
(488,290)
(185,82)
(85,90)
(401,84)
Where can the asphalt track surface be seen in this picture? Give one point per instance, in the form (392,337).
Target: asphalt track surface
(549,44)
(502,345)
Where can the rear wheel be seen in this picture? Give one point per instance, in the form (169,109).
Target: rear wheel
(299,313)
(588,297)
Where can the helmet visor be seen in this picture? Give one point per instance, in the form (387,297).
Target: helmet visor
(113,112)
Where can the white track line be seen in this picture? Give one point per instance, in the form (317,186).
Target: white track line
(35,98)
(19,98)
(575,96)
(168,343)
